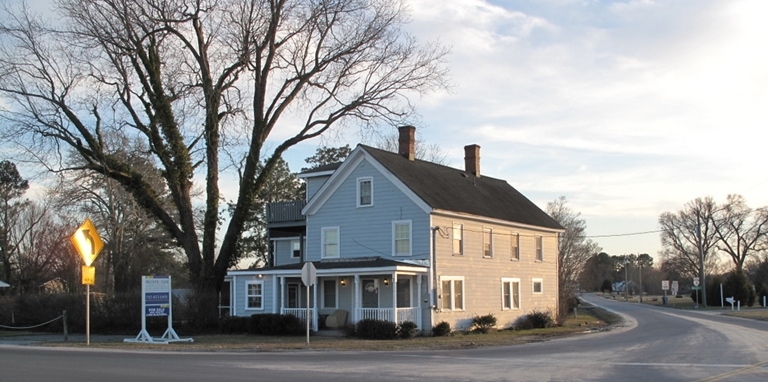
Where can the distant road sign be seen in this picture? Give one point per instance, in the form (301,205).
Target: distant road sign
(695,287)
(87,242)
(308,273)
(665,285)
(696,281)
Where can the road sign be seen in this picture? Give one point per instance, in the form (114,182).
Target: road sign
(87,242)
(696,281)
(89,275)
(308,274)
(695,287)
(665,285)
(674,288)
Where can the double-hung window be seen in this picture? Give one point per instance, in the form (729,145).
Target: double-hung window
(401,238)
(330,238)
(514,246)
(295,248)
(458,239)
(452,294)
(487,242)
(364,192)
(510,293)
(254,294)
(539,249)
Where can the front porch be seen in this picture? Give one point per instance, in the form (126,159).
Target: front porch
(383,297)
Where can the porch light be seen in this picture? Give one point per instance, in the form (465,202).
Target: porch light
(386,281)
(343,282)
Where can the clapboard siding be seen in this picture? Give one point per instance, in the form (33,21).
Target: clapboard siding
(483,276)
(367,231)
(239,297)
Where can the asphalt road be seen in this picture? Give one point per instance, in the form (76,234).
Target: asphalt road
(655,344)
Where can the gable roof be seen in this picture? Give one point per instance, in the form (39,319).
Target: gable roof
(450,189)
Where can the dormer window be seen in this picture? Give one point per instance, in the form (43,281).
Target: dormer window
(364,192)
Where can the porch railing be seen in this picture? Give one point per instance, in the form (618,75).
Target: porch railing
(389,314)
(301,313)
(285,211)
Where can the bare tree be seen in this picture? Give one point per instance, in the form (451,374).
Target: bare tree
(196,78)
(430,152)
(741,231)
(574,249)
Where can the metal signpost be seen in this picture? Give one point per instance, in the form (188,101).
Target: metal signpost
(665,288)
(156,301)
(308,274)
(88,244)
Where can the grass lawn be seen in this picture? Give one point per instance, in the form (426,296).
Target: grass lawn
(760,314)
(588,319)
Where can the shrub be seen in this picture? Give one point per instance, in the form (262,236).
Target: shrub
(441,329)
(483,324)
(407,330)
(536,320)
(234,325)
(273,324)
(376,329)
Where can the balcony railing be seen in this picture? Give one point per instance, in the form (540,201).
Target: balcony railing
(281,212)
(387,314)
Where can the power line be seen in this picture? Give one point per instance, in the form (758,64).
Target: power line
(625,234)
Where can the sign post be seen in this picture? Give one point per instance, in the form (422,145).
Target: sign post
(665,288)
(308,275)
(156,301)
(88,244)
(697,288)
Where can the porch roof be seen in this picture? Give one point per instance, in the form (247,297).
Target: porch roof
(339,266)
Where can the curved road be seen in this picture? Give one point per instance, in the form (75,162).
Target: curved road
(655,344)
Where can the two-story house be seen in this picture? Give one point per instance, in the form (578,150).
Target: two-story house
(397,238)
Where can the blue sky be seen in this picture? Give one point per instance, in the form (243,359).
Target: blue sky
(627,108)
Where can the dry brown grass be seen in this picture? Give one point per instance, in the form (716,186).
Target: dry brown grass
(585,321)
(759,314)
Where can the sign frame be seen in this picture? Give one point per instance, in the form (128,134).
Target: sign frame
(157,301)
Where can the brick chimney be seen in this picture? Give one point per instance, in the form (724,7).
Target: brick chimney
(407,142)
(472,159)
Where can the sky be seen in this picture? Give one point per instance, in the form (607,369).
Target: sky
(627,108)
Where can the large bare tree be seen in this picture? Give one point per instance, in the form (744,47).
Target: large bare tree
(741,231)
(196,79)
(573,252)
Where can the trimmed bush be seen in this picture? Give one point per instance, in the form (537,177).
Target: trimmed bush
(234,325)
(407,330)
(376,330)
(535,320)
(442,329)
(273,324)
(483,324)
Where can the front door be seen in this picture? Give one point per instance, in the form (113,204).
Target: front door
(293,296)
(370,294)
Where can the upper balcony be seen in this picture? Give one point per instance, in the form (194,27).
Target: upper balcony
(283,214)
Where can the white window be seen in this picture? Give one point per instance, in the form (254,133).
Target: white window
(515,246)
(401,238)
(403,293)
(295,248)
(330,237)
(458,239)
(537,286)
(539,249)
(364,192)
(510,294)
(452,294)
(254,294)
(329,293)
(487,242)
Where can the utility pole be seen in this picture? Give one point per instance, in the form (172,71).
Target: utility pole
(701,262)
(626,280)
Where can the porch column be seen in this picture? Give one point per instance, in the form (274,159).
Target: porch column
(357,300)
(418,301)
(282,293)
(274,293)
(316,309)
(394,297)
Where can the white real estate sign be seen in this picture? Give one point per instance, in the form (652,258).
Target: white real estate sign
(156,301)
